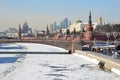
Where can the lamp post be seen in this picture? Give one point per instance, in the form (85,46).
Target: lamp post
(94,42)
(108,36)
(73,44)
(115,36)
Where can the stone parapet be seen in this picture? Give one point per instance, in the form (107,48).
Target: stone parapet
(111,64)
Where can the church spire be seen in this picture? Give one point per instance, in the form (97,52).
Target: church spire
(90,20)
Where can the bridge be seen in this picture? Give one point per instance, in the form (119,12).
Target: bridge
(63,43)
(70,45)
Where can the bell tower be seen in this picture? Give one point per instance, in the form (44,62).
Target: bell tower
(89,29)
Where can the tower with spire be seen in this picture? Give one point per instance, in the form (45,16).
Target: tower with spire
(89,29)
(47,30)
(19,32)
(90,23)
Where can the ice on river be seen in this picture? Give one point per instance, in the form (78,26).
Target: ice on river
(53,67)
(29,47)
(50,66)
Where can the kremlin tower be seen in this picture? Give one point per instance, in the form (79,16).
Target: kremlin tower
(89,29)
(19,33)
(47,30)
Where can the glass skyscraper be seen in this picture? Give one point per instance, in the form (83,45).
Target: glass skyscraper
(65,23)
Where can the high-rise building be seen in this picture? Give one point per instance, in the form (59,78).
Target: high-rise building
(25,28)
(51,28)
(54,26)
(65,23)
(61,25)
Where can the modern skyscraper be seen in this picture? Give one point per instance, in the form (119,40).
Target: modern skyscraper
(61,25)
(54,26)
(65,22)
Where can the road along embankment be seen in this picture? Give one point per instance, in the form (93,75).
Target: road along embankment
(109,62)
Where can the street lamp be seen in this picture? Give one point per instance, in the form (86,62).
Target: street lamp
(94,42)
(108,36)
(115,36)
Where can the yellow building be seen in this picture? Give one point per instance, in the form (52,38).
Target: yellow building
(99,20)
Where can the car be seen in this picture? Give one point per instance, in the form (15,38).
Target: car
(86,48)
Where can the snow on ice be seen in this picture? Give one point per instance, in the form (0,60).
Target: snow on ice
(51,66)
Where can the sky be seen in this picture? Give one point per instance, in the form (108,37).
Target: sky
(40,13)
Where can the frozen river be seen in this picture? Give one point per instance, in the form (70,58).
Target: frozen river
(48,66)
(53,67)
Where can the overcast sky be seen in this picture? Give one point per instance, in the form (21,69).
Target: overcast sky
(40,13)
